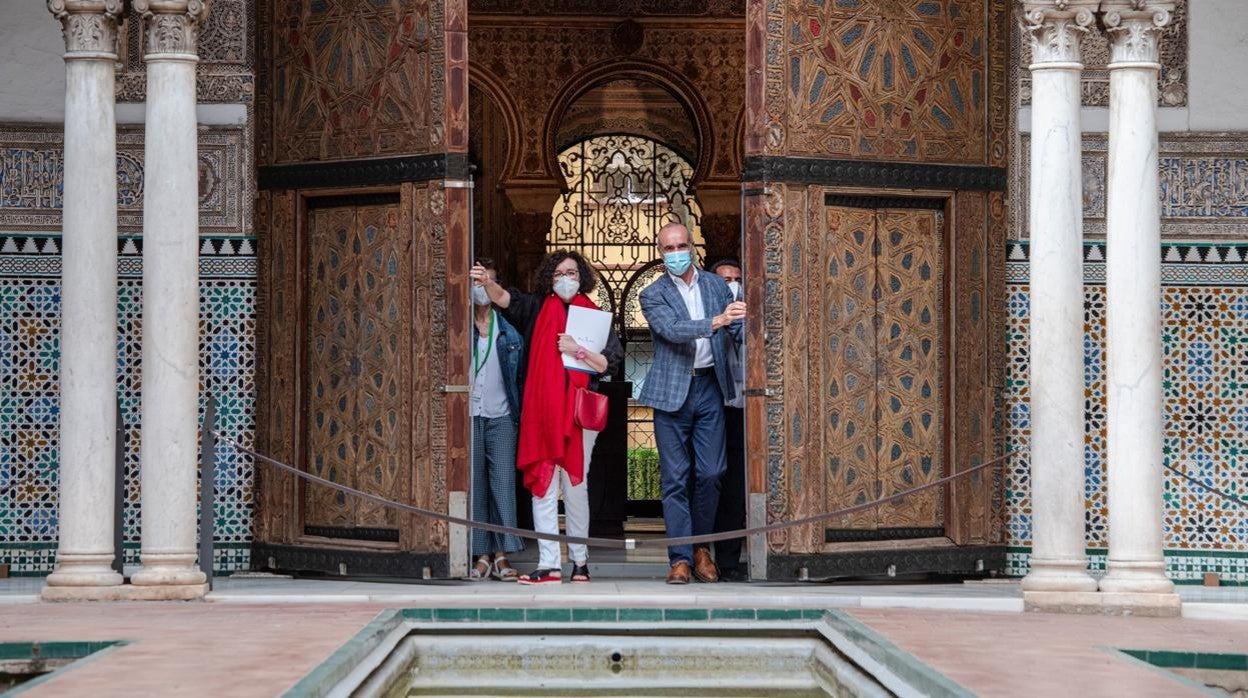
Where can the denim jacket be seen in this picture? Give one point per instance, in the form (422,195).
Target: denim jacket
(510,349)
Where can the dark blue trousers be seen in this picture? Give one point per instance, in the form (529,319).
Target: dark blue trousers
(691,463)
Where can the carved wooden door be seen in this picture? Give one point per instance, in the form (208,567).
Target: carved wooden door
(883,429)
(357,370)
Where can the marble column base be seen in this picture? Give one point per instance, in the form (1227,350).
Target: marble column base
(1136,577)
(1102,603)
(167,570)
(1058,576)
(76,570)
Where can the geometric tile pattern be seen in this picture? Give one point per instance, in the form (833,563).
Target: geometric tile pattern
(29,397)
(1205,394)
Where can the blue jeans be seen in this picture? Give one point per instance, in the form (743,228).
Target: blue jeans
(691,463)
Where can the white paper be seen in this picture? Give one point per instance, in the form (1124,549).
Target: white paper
(590,328)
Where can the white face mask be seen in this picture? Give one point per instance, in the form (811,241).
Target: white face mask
(735,287)
(479,296)
(566,288)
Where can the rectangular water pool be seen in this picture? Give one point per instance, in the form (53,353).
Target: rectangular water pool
(621,652)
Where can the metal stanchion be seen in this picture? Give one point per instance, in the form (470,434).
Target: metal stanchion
(119,494)
(207,488)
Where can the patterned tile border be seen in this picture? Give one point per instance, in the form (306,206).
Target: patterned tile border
(1182,566)
(1182,263)
(39,256)
(38,559)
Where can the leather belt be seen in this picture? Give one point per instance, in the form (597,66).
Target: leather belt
(698,372)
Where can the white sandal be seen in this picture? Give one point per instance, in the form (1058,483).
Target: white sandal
(503,571)
(475,574)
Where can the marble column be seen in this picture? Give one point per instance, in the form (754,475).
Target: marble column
(1058,559)
(1133,301)
(170,370)
(88,304)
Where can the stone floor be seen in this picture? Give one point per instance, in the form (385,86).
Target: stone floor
(258,636)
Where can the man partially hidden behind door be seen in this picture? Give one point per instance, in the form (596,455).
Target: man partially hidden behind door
(695,325)
(730,515)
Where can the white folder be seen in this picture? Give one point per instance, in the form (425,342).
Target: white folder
(590,328)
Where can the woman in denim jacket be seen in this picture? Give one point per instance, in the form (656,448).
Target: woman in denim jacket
(497,355)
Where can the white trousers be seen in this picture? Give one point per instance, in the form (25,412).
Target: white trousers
(575,509)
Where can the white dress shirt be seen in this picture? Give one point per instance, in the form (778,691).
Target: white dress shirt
(702,356)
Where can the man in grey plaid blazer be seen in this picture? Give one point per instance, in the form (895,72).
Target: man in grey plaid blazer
(695,326)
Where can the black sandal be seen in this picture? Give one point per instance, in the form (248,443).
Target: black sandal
(542,575)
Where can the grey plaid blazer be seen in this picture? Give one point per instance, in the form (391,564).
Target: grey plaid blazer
(673,334)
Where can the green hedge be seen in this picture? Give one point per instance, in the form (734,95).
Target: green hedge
(643,474)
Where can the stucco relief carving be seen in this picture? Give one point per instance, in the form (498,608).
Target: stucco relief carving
(90,26)
(1094,48)
(226,36)
(1203,183)
(708,56)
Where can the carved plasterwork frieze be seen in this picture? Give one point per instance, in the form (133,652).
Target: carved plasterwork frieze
(224,73)
(1203,186)
(1094,48)
(32,171)
(707,58)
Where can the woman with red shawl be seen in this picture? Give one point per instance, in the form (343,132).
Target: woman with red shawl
(554,452)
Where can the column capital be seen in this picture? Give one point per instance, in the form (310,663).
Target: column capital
(90,26)
(172,26)
(1055,27)
(1134,29)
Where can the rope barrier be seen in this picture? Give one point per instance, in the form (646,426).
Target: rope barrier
(1211,488)
(616,543)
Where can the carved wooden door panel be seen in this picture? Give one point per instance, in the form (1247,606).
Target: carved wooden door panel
(883,428)
(357,370)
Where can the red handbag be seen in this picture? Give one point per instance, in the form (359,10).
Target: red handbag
(590,410)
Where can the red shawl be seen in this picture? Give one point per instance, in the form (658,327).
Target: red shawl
(548,434)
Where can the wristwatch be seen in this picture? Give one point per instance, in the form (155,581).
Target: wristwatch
(580,353)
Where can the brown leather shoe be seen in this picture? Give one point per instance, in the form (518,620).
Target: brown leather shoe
(704,567)
(679,574)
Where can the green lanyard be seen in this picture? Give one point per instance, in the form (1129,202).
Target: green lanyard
(489,345)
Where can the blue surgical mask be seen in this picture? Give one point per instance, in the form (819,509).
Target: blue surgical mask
(677,263)
(735,287)
(479,296)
